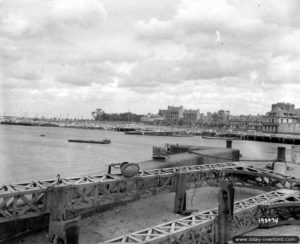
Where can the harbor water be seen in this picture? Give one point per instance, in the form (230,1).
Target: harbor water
(30,153)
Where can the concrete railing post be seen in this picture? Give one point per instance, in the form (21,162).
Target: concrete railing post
(228,143)
(281,154)
(225,212)
(61,229)
(180,196)
(279,165)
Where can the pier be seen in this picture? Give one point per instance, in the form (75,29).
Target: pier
(202,227)
(265,137)
(26,204)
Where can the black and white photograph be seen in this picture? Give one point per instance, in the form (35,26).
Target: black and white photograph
(149,121)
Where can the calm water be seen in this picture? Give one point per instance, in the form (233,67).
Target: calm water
(26,156)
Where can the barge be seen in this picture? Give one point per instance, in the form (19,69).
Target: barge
(105,141)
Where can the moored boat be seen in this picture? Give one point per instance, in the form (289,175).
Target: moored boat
(105,141)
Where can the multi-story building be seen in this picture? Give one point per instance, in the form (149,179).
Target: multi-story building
(283,106)
(237,122)
(191,116)
(221,118)
(218,119)
(254,122)
(205,120)
(246,122)
(283,118)
(162,112)
(173,115)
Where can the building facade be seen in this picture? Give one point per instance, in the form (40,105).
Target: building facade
(191,116)
(173,115)
(152,119)
(221,118)
(283,118)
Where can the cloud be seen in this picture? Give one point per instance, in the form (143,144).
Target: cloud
(79,11)
(152,72)
(154,30)
(250,34)
(149,55)
(15,26)
(50,18)
(86,75)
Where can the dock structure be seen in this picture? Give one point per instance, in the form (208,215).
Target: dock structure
(21,202)
(202,227)
(24,205)
(265,137)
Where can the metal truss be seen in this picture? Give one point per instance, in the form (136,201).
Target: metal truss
(279,214)
(202,227)
(27,200)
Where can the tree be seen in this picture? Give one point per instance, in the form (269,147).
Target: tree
(97,114)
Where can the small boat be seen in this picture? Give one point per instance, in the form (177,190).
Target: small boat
(105,141)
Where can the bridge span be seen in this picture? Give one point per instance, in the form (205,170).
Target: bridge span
(202,227)
(31,201)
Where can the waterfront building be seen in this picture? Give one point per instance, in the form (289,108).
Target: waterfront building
(283,118)
(221,118)
(215,120)
(237,122)
(254,122)
(283,106)
(205,120)
(162,112)
(173,115)
(246,122)
(191,116)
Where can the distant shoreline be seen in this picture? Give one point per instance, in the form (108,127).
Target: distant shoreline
(98,125)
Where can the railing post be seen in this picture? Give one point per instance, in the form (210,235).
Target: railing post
(279,165)
(180,196)
(61,229)
(58,202)
(281,154)
(225,212)
(228,143)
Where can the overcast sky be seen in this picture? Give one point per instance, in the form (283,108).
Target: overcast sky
(60,57)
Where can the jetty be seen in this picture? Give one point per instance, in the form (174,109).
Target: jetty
(30,207)
(159,133)
(264,137)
